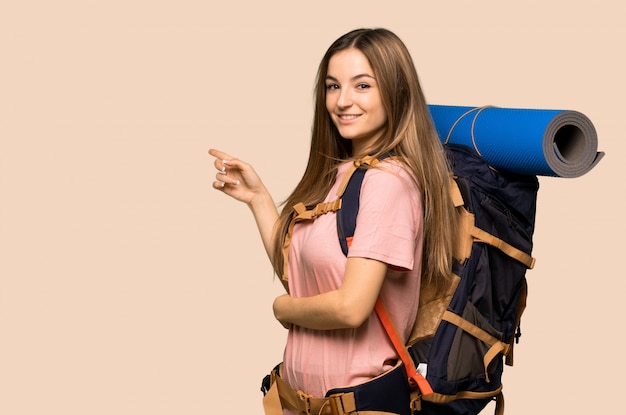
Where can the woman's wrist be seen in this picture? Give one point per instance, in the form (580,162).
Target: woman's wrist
(261,200)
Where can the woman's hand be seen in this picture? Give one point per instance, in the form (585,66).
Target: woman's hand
(236,178)
(277,306)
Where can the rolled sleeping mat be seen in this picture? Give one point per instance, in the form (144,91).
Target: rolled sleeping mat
(538,142)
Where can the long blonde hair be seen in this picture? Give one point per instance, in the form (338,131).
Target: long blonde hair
(409,135)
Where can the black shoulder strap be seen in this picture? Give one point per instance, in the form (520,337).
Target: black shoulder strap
(350,199)
(346,216)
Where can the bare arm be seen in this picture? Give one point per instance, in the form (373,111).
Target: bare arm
(240,181)
(347,307)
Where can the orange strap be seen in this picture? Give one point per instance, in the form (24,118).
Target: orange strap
(398,344)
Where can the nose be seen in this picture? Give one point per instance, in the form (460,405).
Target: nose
(345,98)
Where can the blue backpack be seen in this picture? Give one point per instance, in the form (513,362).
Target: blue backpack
(463,335)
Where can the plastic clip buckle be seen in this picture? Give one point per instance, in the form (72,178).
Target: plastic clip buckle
(307,401)
(416,404)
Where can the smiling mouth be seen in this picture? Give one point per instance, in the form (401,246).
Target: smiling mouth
(348,117)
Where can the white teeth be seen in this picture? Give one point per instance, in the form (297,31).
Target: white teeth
(348,117)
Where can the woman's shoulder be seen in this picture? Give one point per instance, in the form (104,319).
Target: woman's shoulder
(391,173)
(390,169)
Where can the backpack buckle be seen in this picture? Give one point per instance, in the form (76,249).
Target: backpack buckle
(342,404)
(365,161)
(306,399)
(416,404)
(323,208)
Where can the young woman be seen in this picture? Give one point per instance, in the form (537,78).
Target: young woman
(368,102)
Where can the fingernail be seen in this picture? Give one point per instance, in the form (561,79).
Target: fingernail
(223,170)
(237,182)
(225,161)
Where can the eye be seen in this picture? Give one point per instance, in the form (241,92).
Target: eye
(363,86)
(332,86)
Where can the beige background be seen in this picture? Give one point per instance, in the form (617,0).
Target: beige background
(129,286)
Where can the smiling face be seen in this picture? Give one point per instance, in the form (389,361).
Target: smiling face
(353,99)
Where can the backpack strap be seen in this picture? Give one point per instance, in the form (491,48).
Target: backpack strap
(280,395)
(521,306)
(415,379)
(350,193)
(299,214)
(485,237)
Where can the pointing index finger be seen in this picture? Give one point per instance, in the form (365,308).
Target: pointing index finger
(219,154)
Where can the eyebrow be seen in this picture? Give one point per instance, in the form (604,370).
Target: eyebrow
(354,78)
